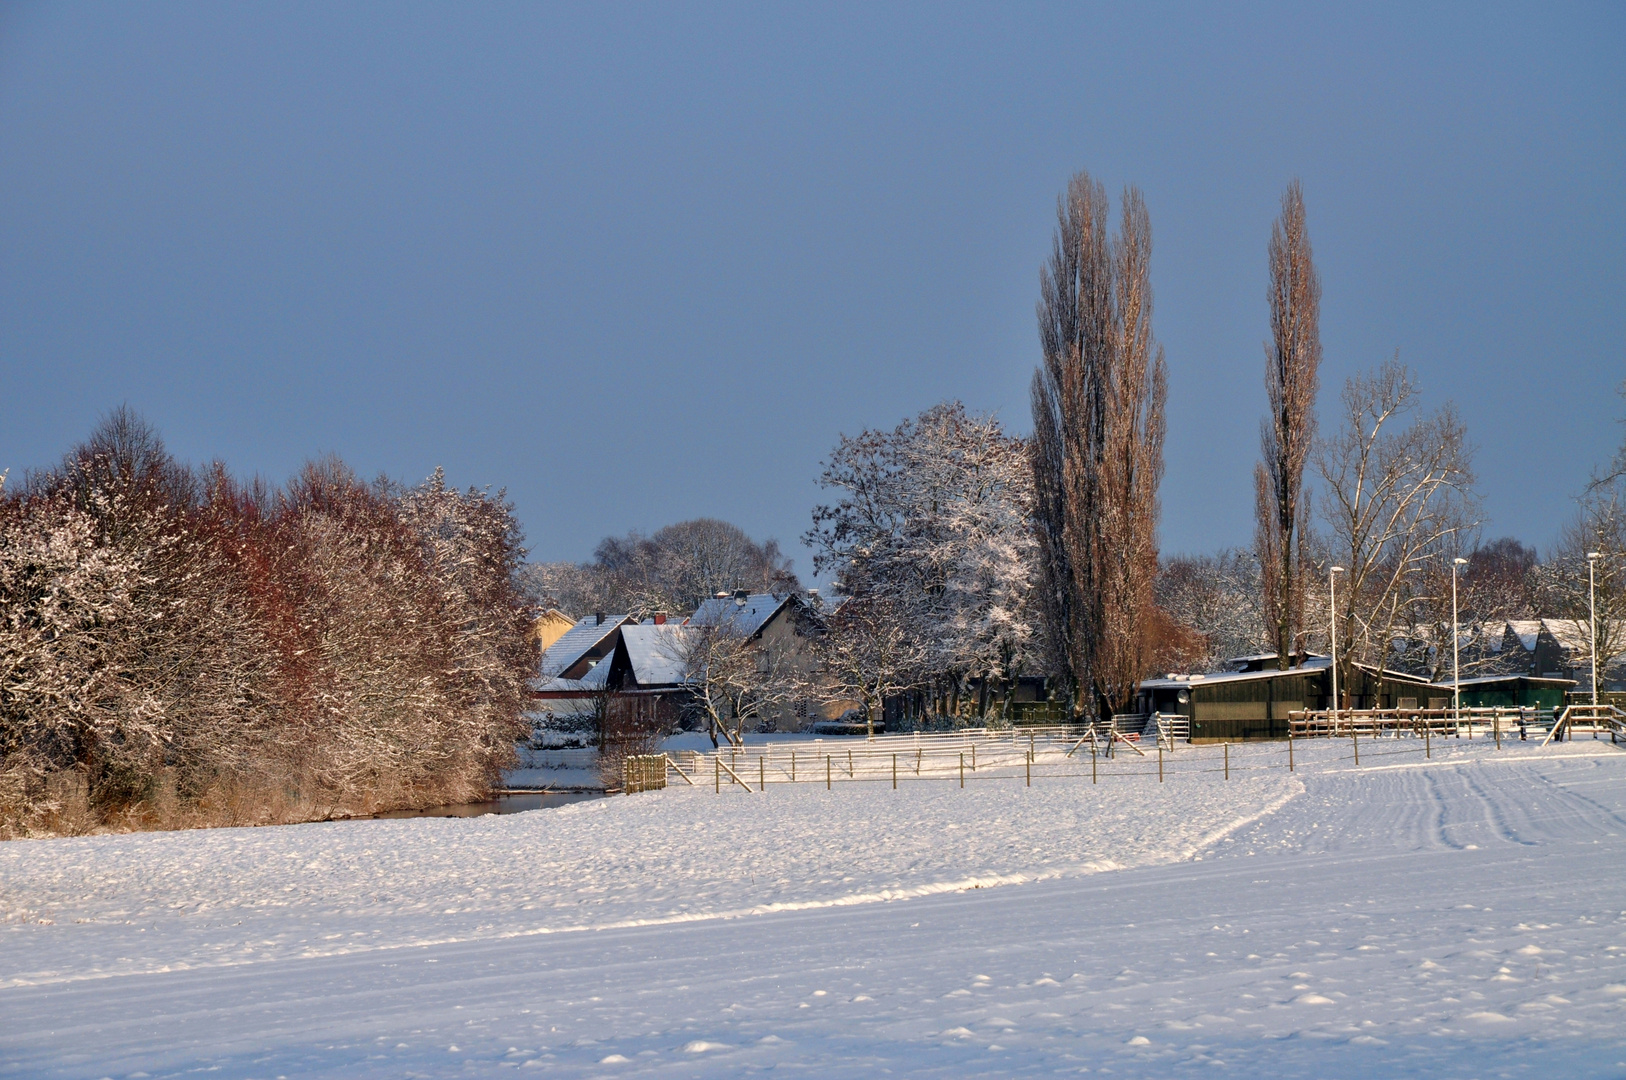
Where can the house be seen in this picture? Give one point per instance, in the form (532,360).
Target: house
(550,626)
(782,625)
(1558,649)
(1233,706)
(575,652)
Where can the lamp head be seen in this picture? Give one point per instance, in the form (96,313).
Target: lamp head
(1459,562)
(1594,555)
(1335,569)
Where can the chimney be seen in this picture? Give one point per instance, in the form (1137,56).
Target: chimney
(660,618)
(598,618)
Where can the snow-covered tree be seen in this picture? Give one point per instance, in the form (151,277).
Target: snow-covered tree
(932,531)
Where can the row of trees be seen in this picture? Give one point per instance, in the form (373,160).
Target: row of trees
(178,646)
(965,555)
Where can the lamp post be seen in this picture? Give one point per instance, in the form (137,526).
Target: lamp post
(1332,604)
(1456,664)
(1592,558)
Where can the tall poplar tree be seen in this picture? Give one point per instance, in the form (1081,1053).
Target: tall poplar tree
(1097,448)
(1293,360)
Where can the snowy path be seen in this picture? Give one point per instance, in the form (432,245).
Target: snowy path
(1459,918)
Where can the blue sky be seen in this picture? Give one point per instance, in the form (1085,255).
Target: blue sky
(637,264)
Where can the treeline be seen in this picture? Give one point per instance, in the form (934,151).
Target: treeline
(179,647)
(671,570)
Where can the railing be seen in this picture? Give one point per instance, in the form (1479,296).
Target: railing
(1599,717)
(1495,721)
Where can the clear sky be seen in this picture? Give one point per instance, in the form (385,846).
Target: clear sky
(637,264)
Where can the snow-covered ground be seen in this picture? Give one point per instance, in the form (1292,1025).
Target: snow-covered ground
(1460,917)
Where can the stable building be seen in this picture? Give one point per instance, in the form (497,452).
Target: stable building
(1236,706)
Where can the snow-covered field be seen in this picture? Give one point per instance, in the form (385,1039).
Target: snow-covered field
(1460,917)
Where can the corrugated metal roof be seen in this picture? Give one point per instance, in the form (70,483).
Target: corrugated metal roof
(574,643)
(746,618)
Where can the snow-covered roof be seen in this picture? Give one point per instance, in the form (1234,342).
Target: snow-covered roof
(1173,682)
(1480,680)
(574,643)
(1526,630)
(655,652)
(746,618)
(561,686)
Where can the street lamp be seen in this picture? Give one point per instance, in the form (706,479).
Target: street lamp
(1592,558)
(1456,664)
(1332,605)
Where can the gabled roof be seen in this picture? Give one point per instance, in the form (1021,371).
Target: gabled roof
(655,653)
(746,618)
(574,643)
(1526,630)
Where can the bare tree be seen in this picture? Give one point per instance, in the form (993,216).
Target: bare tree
(735,681)
(1398,502)
(869,655)
(1098,447)
(1292,364)
(1615,471)
(1217,596)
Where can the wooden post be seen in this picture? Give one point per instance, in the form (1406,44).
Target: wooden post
(793,765)
(827,770)
(1355,740)
(1030,770)
(1160,763)
(962,769)
(1496,727)
(717,774)
(917,759)
(1227,761)
(1290,749)
(850,771)
(762,773)
(894,772)
(973,757)
(1092,761)
(1428,739)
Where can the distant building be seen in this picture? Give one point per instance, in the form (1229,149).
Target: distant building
(550,626)
(1555,649)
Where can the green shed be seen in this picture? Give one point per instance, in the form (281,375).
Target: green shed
(1512,691)
(1243,705)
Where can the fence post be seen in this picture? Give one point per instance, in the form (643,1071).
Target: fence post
(1030,770)
(717,775)
(793,765)
(1289,749)
(894,772)
(1160,763)
(827,770)
(1356,741)
(1496,726)
(973,757)
(762,773)
(962,769)
(1428,738)
(850,771)
(1092,761)
(1227,761)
